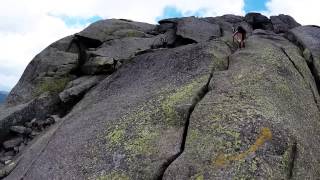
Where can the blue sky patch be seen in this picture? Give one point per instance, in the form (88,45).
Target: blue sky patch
(255,5)
(172,12)
(75,21)
(5,88)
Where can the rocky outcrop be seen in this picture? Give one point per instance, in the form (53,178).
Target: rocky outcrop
(77,88)
(177,100)
(283,23)
(246,124)
(259,21)
(49,71)
(111,29)
(308,39)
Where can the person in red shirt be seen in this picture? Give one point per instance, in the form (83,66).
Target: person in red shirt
(239,35)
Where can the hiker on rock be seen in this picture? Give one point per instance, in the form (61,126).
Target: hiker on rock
(239,35)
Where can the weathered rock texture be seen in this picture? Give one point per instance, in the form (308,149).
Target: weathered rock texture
(175,100)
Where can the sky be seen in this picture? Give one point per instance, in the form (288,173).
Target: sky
(28,26)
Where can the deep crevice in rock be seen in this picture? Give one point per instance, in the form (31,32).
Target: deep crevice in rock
(82,45)
(291,37)
(314,74)
(292,159)
(182,41)
(199,96)
(67,107)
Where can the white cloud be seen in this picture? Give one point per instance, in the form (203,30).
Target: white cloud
(28,26)
(303,11)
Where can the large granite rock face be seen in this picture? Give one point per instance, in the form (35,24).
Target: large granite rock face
(133,122)
(257,120)
(177,100)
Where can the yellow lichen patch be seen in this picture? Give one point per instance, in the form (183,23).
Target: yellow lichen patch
(264,136)
(143,143)
(116,135)
(198,177)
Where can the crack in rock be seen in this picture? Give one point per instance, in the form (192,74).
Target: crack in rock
(199,96)
(301,74)
(293,156)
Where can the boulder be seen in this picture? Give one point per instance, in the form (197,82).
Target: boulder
(4,171)
(49,121)
(167,39)
(110,29)
(282,23)
(10,144)
(123,33)
(226,22)
(258,21)
(20,130)
(9,153)
(121,49)
(38,108)
(77,88)
(230,18)
(6,160)
(99,65)
(197,29)
(49,72)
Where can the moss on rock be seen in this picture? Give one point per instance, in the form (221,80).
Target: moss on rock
(52,86)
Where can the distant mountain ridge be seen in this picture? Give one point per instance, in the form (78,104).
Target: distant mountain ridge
(3,96)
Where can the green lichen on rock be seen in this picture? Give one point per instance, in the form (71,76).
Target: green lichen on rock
(136,141)
(285,161)
(138,134)
(143,143)
(52,86)
(262,88)
(283,89)
(116,135)
(197,177)
(168,105)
